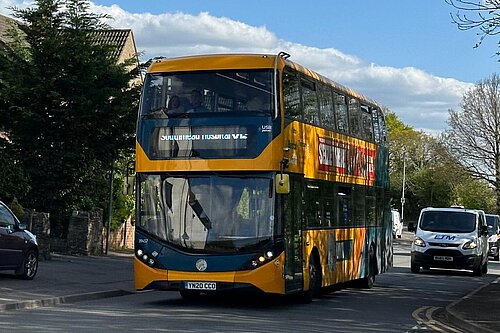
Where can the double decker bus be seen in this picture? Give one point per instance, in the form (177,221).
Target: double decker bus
(263,176)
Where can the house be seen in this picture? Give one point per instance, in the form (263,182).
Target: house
(122,38)
(5,24)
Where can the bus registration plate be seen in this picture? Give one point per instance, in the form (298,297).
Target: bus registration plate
(443,258)
(197,285)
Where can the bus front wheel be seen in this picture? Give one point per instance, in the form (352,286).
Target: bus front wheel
(314,280)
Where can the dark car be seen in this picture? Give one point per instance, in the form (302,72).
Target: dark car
(18,246)
(493,235)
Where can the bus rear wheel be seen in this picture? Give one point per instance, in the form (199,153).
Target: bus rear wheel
(368,281)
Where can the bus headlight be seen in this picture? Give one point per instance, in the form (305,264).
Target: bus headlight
(261,259)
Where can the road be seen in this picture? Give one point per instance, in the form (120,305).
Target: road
(399,302)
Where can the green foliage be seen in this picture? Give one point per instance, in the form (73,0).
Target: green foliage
(17,209)
(68,106)
(123,205)
(475,194)
(14,182)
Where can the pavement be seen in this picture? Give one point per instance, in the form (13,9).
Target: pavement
(479,311)
(69,279)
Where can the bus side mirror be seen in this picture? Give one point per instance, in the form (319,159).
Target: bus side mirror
(128,185)
(282,183)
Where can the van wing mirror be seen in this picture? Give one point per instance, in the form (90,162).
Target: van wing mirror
(484,230)
(411,227)
(282,183)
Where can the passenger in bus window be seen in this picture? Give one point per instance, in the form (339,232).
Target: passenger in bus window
(174,107)
(196,102)
(254,104)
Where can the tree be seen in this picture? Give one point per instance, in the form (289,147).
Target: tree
(475,194)
(69,108)
(485,17)
(474,134)
(433,177)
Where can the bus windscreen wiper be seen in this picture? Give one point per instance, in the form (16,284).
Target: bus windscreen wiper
(198,210)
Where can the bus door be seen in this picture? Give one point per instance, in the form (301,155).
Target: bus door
(293,237)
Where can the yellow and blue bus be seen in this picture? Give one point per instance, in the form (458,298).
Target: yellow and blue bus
(256,173)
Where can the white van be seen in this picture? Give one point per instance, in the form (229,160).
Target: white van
(450,238)
(397,224)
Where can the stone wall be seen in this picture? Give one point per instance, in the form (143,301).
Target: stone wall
(85,233)
(39,225)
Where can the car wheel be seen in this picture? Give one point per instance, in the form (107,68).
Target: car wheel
(415,268)
(29,267)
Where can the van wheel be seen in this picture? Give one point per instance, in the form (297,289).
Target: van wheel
(479,270)
(415,268)
(485,268)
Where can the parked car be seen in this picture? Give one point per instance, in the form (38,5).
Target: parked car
(397,224)
(450,238)
(18,246)
(493,222)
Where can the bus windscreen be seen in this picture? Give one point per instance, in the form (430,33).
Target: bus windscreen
(208,212)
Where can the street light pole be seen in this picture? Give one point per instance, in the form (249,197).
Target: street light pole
(403,190)
(110,205)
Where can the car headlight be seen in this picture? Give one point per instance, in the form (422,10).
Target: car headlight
(419,241)
(472,244)
(492,238)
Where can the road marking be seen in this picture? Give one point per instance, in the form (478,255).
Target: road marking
(424,316)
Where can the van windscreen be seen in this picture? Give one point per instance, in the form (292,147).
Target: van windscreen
(443,221)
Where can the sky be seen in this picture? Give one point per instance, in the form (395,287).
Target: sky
(407,55)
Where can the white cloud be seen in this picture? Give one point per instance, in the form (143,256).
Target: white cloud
(419,99)
(5,6)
